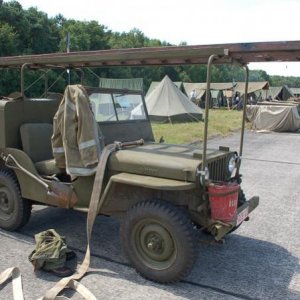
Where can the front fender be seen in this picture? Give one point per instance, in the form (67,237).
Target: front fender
(30,188)
(123,190)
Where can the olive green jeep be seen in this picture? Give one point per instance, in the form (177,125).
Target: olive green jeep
(160,191)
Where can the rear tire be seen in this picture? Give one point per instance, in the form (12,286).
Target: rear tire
(14,210)
(159,241)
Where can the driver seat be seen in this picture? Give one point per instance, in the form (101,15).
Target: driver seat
(36,143)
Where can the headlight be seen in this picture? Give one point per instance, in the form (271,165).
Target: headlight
(201,173)
(232,163)
(206,173)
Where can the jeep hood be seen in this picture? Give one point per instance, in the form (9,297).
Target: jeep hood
(161,160)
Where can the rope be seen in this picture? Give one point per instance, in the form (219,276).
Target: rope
(93,73)
(36,81)
(58,77)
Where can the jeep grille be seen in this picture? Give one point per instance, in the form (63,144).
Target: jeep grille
(217,169)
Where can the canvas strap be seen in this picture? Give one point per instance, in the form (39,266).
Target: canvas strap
(94,207)
(71,281)
(16,281)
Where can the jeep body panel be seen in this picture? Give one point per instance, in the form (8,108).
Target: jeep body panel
(30,188)
(162,160)
(14,113)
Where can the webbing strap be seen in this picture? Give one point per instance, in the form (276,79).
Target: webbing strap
(16,281)
(18,291)
(94,207)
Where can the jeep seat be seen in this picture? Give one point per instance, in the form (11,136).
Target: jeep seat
(36,143)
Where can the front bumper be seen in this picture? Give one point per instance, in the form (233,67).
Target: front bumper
(220,229)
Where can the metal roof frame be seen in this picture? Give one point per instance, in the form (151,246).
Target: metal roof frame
(242,53)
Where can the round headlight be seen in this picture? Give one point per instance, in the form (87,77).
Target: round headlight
(231,163)
(206,174)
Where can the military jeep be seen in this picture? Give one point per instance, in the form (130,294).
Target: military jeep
(159,190)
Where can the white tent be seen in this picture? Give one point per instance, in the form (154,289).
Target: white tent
(166,103)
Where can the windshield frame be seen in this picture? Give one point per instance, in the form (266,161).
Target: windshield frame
(91,90)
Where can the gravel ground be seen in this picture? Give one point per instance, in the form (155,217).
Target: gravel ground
(259,261)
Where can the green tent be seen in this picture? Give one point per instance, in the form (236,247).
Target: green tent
(281,93)
(135,84)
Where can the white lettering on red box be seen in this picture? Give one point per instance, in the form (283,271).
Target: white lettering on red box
(242,216)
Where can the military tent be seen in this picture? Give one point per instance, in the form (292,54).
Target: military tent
(197,89)
(218,92)
(255,89)
(295,91)
(154,84)
(135,84)
(281,93)
(166,103)
(217,97)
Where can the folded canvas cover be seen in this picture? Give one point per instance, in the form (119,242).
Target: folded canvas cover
(274,117)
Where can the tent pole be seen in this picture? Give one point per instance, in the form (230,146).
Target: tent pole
(208,80)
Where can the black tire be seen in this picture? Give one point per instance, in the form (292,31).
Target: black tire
(159,240)
(14,210)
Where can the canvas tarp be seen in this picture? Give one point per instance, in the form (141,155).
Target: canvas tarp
(281,93)
(135,84)
(199,89)
(223,86)
(295,91)
(166,103)
(252,87)
(274,117)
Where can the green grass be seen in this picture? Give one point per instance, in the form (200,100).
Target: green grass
(221,122)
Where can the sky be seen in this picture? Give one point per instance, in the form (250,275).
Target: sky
(196,22)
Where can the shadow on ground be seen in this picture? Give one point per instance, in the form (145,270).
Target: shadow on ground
(243,267)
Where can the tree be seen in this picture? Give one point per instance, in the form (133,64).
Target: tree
(84,35)
(43,32)
(8,40)
(12,14)
(32,32)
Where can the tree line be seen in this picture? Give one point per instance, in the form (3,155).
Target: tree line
(30,31)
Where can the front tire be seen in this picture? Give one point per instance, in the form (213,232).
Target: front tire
(14,210)
(159,240)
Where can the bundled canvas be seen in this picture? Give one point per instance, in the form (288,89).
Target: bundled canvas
(274,117)
(166,103)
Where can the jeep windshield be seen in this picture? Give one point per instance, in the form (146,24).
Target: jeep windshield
(109,106)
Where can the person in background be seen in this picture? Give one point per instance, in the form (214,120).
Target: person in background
(193,95)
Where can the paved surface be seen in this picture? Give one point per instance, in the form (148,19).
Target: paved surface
(259,261)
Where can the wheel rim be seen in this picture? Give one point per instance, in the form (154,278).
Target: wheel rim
(154,244)
(6,203)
